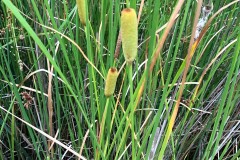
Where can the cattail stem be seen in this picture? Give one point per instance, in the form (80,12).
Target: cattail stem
(128,3)
(129,66)
(102,125)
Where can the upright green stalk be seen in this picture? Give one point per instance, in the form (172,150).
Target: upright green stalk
(128,3)
(132,109)
(102,125)
(12,134)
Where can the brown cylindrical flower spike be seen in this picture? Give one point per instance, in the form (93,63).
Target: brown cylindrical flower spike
(111,82)
(81,5)
(129,32)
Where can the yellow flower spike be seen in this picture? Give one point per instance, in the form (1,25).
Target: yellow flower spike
(129,32)
(111,82)
(81,5)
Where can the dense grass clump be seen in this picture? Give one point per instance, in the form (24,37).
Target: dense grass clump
(173,93)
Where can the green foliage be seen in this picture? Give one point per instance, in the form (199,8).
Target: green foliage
(36,36)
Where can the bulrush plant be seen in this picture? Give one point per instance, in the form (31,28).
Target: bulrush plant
(129,33)
(110,85)
(81,5)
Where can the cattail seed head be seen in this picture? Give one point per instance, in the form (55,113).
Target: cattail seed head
(129,32)
(111,82)
(81,5)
